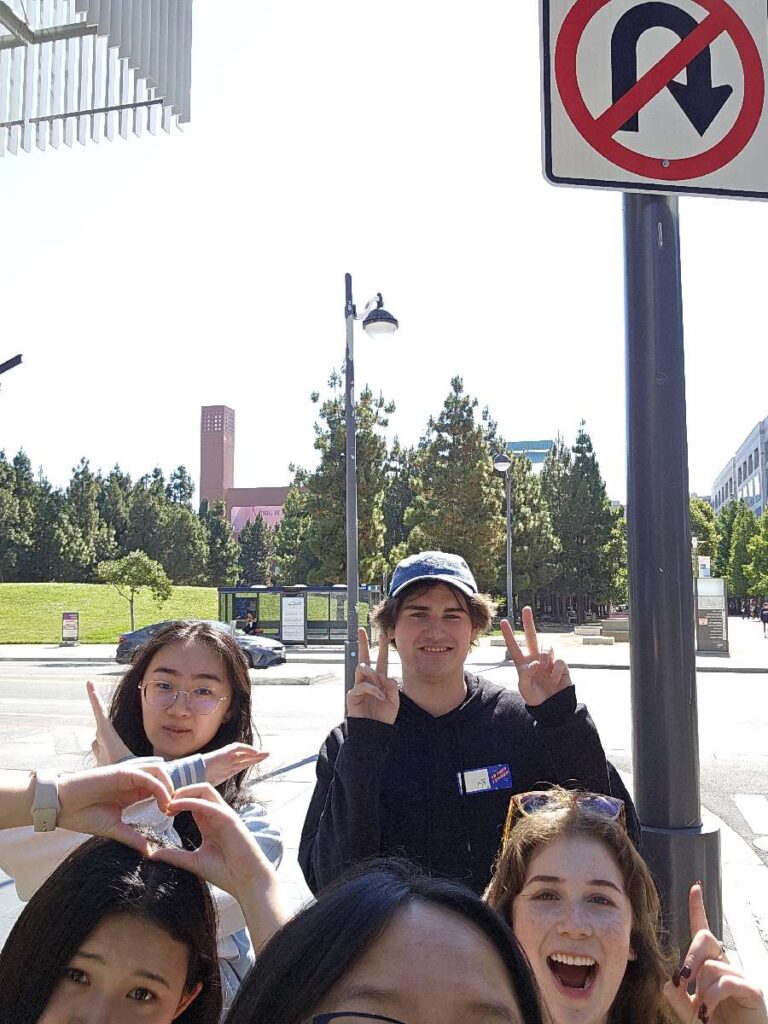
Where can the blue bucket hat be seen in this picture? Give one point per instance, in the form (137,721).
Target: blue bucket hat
(433,565)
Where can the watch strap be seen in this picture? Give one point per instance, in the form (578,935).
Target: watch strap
(45,803)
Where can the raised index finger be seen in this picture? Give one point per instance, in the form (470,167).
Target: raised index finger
(512,645)
(97,705)
(529,628)
(696,910)
(365,651)
(382,660)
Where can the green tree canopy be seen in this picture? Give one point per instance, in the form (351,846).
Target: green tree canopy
(223,552)
(457,504)
(257,553)
(326,487)
(133,573)
(295,561)
(744,529)
(703,526)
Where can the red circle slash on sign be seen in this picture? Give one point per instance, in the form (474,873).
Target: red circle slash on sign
(599,131)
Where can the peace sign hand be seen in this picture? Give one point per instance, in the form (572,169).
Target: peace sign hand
(107,748)
(723,995)
(375,695)
(539,676)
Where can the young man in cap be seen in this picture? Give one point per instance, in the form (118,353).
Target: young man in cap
(425,769)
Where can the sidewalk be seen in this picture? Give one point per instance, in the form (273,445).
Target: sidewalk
(748,652)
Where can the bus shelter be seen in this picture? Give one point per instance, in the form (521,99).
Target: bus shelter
(298,614)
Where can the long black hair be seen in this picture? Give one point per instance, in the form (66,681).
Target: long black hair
(125,709)
(299,966)
(103,878)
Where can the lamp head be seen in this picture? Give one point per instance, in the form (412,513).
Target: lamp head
(501,462)
(378,321)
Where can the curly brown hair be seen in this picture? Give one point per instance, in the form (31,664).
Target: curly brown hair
(640,999)
(479,607)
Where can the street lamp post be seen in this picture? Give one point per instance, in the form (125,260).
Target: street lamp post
(503,464)
(376,321)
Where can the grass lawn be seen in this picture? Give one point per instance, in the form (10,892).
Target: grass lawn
(30,613)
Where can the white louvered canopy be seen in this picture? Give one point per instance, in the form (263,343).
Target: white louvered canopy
(88,69)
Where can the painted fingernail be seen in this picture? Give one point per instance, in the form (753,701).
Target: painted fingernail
(698,882)
(685,972)
(676,979)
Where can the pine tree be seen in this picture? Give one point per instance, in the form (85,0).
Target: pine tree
(457,504)
(555,482)
(295,561)
(534,545)
(398,496)
(257,553)
(702,517)
(723,532)
(11,530)
(756,570)
(744,529)
(326,487)
(86,539)
(114,504)
(223,552)
(591,519)
(184,544)
(180,489)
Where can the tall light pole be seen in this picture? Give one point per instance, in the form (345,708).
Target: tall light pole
(503,464)
(376,321)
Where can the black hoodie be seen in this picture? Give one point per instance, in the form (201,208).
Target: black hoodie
(395,790)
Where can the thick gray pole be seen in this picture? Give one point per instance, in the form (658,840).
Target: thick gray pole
(665,746)
(351,648)
(510,588)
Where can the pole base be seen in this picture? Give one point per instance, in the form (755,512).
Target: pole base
(678,857)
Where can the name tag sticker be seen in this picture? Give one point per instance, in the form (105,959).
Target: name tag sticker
(481,780)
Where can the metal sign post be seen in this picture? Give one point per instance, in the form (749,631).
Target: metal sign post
(656,98)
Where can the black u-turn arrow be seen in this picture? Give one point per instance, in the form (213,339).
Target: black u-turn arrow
(699,100)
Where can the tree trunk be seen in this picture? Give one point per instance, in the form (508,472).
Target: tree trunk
(130,602)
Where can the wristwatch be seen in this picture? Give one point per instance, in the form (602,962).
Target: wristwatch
(45,805)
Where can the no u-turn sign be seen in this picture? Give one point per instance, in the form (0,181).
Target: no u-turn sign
(656,95)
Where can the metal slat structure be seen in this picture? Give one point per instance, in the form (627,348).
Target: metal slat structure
(79,70)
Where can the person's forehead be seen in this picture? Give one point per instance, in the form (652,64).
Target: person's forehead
(416,959)
(576,859)
(190,655)
(431,594)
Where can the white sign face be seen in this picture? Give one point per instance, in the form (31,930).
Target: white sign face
(656,95)
(292,616)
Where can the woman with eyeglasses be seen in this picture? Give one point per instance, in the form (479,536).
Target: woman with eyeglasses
(585,910)
(388,945)
(186,702)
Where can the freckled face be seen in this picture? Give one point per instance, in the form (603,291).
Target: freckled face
(127,971)
(176,731)
(574,921)
(430,966)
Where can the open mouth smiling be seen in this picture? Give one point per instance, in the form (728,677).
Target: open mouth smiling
(435,650)
(573,975)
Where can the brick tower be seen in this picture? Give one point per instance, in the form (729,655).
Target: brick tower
(217,452)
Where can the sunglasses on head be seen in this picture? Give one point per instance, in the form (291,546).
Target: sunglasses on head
(521,805)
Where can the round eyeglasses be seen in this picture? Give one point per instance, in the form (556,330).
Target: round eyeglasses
(160,694)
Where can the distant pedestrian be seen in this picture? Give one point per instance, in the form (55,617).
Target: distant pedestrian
(764,618)
(743,609)
(753,611)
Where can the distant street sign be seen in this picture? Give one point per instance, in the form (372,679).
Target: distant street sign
(656,95)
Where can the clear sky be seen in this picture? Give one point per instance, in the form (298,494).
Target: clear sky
(398,141)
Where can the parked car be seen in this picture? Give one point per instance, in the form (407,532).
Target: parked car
(259,651)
